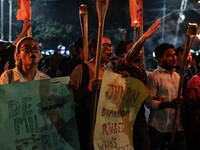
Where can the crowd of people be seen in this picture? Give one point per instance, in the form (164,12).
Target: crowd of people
(163,83)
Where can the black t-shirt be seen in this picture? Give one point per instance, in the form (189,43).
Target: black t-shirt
(137,73)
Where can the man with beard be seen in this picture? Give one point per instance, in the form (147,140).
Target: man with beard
(129,65)
(76,59)
(82,80)
(163,84)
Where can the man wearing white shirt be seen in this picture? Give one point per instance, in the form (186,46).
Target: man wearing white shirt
(163,83)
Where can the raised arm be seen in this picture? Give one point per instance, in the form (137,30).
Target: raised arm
(27,25)
(135,49)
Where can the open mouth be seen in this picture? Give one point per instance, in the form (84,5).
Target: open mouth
(109,55)
(33,56)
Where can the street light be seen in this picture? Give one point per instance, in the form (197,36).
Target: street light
(2,36)
(10,20)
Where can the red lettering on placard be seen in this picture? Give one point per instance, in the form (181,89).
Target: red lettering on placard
(105,129)
(115,92)
(114,113)
(113,128)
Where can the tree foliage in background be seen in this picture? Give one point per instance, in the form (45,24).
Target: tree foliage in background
(49,23)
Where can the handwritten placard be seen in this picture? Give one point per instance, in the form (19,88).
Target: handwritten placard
(119,102)
(38,115)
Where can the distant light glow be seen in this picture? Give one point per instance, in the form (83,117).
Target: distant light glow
(182,17)
(63,47)
(192,51)
(154,54)
(67,52)
(198,35)
(62,51)
(199,2)
(51,51)
(47,52)
(135,21)
(197,52)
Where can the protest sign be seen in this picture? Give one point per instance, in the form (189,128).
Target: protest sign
(38,115)
(119,102)
(24,10)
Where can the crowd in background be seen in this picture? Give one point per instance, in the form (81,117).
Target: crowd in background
(160,76)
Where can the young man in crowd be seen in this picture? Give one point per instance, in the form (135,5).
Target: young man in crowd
(163,84)
(81,80)
(188,73)
(130,64)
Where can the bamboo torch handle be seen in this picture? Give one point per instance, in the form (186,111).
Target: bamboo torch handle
(29,33)
(188,46)
(83,12)
(102,6)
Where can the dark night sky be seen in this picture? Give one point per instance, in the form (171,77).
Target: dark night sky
(118,17)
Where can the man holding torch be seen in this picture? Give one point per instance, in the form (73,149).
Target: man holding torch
(164,84)
(82,79)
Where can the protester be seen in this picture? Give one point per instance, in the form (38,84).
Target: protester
(188,73)
(73,53)
(163,84)
(82,80)
(119,50)
(118,54)
(192,111)
(76,59)
(130,63)
(10,64)
(27,55)
(46,65)
(55,61)
(193,64)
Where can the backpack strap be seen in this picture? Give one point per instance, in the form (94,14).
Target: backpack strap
(10,75)
(85,75)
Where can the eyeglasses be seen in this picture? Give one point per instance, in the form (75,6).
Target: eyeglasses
(28,49)
(106,45)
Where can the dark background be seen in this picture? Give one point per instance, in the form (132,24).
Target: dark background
(57,21)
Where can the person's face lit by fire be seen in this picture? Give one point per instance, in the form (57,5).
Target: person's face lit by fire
(128,46)
(168,60)
(29,53)
(180,58)
(189,58)
(106,48)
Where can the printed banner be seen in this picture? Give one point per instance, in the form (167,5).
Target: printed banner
(24,10)
(38,115)
(136,12)
(119,102)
